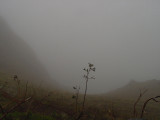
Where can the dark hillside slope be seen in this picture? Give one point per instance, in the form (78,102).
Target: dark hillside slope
(132,90)
(16,57)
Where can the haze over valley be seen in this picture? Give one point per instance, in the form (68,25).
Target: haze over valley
(121,38)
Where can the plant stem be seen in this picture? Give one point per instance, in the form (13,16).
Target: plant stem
(84,98)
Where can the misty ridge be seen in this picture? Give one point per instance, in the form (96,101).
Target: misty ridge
(18,58)
(89,60)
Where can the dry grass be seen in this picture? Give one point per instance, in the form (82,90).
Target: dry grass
(60,103)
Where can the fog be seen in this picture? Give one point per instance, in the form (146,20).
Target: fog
(120,37)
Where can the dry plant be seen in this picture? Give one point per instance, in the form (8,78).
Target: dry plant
(17,99)
(87,77)
(76,96)
(146,102)
(136,102)
(18,84)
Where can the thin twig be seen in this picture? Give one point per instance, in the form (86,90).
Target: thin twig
(25,94)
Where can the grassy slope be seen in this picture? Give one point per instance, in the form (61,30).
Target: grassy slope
(132,90)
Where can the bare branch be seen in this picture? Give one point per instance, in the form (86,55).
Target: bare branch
(136,102)
(14,107)
(146,102)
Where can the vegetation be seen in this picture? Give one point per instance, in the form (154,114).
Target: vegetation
(20,100)
(135,104)
(87,77)
(76,96)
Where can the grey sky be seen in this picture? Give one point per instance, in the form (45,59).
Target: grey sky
(121,37)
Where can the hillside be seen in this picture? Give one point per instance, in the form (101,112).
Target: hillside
(132,90)
(16,57)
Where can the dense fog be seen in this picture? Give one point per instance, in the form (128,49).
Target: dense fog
(120,37)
